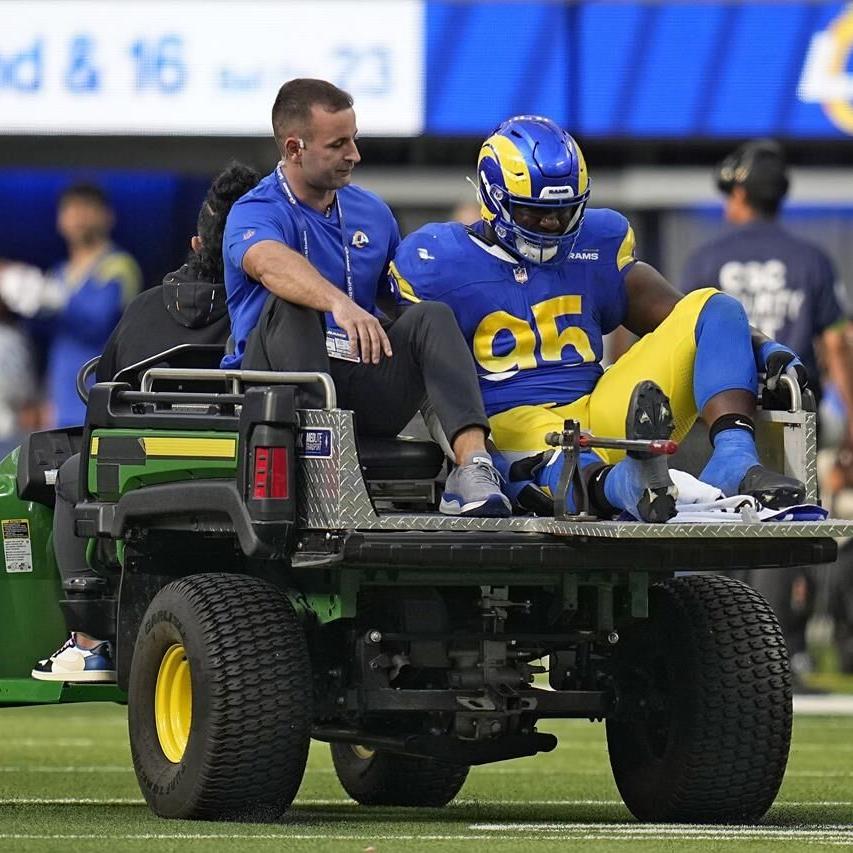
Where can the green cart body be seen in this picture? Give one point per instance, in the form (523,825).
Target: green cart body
(279,579)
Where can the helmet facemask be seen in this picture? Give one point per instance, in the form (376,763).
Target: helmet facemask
(539,231)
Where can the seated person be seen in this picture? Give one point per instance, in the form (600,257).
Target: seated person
(306,260)
(536,284)
(189,308)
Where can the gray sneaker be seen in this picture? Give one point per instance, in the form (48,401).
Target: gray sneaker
(475,490)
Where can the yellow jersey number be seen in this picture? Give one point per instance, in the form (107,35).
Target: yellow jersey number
(523,354)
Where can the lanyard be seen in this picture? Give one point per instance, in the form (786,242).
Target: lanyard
(303,227)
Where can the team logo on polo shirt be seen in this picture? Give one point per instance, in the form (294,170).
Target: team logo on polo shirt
(360,239)
(247,235)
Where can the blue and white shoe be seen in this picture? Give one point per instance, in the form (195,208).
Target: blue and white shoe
(72,663)
(475,490)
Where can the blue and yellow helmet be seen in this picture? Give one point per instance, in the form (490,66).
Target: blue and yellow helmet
(530,168)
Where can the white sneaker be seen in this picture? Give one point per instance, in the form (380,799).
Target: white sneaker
(72,663)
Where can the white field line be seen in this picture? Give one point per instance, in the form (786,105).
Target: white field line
(834,703)
(663,834)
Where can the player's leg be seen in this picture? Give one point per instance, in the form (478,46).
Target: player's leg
(725,387)
(522,455)
(638,485)
(701,356)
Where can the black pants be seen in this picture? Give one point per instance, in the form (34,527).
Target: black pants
(70,551)
(431,361)
(88,602)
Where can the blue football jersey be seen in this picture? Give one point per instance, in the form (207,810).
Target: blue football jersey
(535,330)
(264,213)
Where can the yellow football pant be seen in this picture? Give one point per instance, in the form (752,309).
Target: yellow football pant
(665,356)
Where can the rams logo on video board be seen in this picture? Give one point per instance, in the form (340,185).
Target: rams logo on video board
(825,78)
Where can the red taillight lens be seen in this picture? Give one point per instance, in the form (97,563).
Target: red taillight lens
(270,476)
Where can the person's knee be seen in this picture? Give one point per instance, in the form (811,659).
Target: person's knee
(725,310)
(431,313)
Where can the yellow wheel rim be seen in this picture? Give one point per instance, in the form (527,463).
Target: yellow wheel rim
(362,751)
(173,703)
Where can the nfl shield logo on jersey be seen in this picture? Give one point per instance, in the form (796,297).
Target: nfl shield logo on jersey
(520,274)
(360,239)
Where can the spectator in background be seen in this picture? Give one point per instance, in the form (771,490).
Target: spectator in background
(791,293)
(75,307)
(189,308)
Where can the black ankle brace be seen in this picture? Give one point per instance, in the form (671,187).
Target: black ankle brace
(731,422)
(598,502)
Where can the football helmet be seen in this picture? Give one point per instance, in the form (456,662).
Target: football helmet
(533,188)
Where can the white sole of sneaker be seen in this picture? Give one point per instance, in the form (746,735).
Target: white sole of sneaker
(76,677)
(467,509)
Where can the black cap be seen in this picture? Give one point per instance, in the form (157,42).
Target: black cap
(759,167)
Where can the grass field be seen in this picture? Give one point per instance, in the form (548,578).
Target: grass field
(66,784)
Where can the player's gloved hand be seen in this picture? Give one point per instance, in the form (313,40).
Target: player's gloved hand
(775,359)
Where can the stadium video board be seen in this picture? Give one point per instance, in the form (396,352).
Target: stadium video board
(668,70)
(202,67)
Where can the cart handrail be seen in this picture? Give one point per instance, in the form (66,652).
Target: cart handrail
(789,378)
(239,377)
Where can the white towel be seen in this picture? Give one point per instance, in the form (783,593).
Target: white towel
(691,490)
(700,502)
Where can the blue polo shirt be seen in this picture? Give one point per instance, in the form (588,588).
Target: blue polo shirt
(265,213)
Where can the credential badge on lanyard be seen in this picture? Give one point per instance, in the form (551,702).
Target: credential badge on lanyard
(337,342)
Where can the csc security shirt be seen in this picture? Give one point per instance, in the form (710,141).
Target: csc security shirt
(265,213)
(786,285)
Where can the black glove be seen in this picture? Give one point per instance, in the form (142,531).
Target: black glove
(774,360)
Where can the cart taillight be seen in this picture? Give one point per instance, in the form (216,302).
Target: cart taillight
(269,479)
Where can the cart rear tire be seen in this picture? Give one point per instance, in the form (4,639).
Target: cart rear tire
(388,779)
(219,701)
(705,726)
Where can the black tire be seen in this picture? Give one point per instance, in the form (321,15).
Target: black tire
(705,728)
(387,779)
(250,703)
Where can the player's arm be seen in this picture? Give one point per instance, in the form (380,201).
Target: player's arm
(291,277)
(650,299)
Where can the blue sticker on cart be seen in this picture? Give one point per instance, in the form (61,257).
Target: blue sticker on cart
(315,443)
